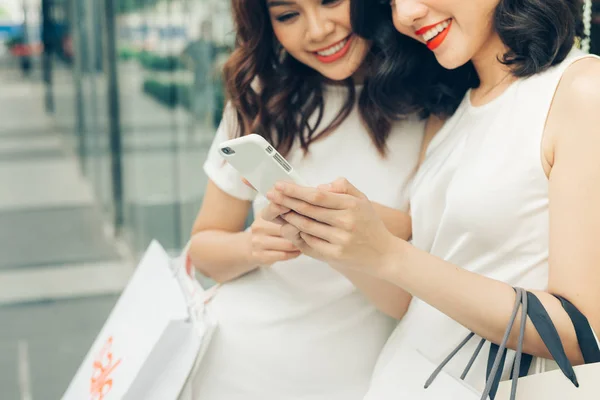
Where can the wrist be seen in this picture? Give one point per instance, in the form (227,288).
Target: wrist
(392,256)
(248,258)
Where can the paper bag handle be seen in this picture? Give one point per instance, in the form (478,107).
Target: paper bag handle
(532,307)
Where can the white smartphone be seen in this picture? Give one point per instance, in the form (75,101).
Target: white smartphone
(258,161)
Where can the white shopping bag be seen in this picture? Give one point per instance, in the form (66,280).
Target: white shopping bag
(549,383)
(554,385)
(406,381)
(152,339)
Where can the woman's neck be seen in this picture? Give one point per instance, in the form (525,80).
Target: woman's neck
(494,76)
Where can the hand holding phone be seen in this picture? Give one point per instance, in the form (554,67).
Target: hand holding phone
(267,244)
(258,162)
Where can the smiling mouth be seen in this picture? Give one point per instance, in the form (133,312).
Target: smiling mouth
(334,52)
(434,35)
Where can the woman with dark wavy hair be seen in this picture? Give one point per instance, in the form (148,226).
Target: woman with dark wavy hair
(291,327)
(506,197)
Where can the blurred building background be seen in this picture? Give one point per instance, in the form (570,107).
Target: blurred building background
(107,111)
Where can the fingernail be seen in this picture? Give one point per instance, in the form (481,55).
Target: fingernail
(280,186)
(270,195)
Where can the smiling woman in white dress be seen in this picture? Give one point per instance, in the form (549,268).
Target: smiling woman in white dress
(290,326)
(507,196)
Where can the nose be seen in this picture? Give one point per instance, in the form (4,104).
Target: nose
(319,27)
(407,12)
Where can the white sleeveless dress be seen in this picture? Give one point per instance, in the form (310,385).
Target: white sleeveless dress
(479,201)
(299,330)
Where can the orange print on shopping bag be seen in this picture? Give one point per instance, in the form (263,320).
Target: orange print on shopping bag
(102,369)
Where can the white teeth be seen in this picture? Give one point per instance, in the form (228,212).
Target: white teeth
(436,30)
(332,50)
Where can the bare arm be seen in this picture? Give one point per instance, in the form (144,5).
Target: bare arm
(479,303)
(571,145)
(387,297)
(220,249)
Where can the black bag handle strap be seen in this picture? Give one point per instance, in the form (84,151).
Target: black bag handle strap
(495,379)
(533,308)
(585,334)
(547,331)
(494,369)
(542,322)
(526,361)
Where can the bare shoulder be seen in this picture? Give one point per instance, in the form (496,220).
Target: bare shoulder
(580,83)
(574,115)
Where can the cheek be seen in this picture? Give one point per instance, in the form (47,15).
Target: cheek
(341,14)
(403,29)
(364,46)
(286,37)
(360,54)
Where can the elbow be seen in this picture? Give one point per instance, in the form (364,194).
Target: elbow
(192,251)
(209,271)
(204,266)
(205,271)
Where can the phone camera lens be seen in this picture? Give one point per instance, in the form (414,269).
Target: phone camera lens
(227,150)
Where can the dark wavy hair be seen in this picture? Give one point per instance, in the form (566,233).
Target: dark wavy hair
(406,71)
(539,34)
(276,96)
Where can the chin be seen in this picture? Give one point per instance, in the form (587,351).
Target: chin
(337,76)
(451,62)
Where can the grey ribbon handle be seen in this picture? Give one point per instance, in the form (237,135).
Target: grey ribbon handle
(513,317)
(534,309)
(447,360)
(494,376)
(516,373)
(493,353)
(473,358)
